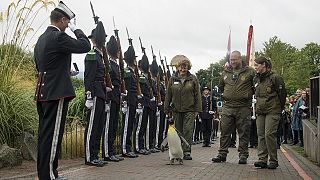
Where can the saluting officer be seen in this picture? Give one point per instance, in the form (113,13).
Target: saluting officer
(54,88)
(95,88)
(130,103)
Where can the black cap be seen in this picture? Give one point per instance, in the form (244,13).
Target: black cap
(112,46)
(130,55)
(144,63)
(154,68)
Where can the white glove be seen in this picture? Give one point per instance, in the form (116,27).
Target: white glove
(124,107)
(124,94)
(139,110)
(108,89)
(160,103)
(211,112)
(89,103)
(153,99)
(140,96)
(72,25)
(158,113)
(107,108)
(254,101)
(74,73)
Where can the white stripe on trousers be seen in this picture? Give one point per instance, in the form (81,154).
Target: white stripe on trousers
(158,127)
(138,130)
(55,137)
(106,132)
(125,131)
(165,128)
(147,133)
(90,128)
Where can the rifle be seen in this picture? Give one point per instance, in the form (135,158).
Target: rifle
(121,63)
(168,69)
(158,80)
(136,72)
(164,70)
(148,73)
(101,45)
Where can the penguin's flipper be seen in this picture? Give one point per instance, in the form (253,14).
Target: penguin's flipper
(164,144)
(184,141)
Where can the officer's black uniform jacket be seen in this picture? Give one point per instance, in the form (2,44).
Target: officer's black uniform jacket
(114,72)
(53,62)
(94,74)
(162,94)
(145,90)
(206,104)
(153,104)
(130,80)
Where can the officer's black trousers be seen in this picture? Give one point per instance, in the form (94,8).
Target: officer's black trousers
(206,130)
(94,127)
(109,133)
(142,128)
(161,128)
(128,124)
(52,117)
(253,133)
(152,128)
(197,131)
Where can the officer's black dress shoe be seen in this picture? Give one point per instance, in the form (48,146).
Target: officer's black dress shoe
(61,178)
(143,152)
(112,158)
(273,165)
(243,160)
(260,164)
(119,157)
(232,146)
(103,161)
(219,159)
(95,162)
(130,155)
(187,157)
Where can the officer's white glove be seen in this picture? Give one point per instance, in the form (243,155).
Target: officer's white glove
(72,25)
(108,89)
(160,103)
(74,73)
(211,112)
(140,96)
(89,103)
(107,108)
(124,94)
(254,101)
(139,110)
(153,99)
(158,113)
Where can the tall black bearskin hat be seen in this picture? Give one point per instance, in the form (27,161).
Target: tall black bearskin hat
(100,35)
(112,46)
(154,68)
(161,73)
(130,55)
(144,63)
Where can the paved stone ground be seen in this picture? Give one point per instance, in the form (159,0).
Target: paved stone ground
(155,166)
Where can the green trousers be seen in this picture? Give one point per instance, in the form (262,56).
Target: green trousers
(184,123)
(231,118)
(267,126)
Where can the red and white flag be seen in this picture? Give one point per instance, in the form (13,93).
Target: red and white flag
(250,57)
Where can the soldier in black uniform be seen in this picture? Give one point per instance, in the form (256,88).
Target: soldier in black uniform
(113,105)
(206,116)
(129,104)
(54,87)
(95,89)
(142,137)
(161,128)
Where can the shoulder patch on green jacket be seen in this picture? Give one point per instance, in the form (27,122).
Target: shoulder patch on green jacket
(127,72)
(91,55)
(142,79)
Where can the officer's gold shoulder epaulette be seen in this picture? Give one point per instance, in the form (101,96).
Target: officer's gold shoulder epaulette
(142,79)
(91,55)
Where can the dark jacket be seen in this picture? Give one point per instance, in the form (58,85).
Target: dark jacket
(145,90)
(52,55)
(114,95)
(94,74)
(207,105)
(183,96)
(238,88)
(270,93)
(131,86)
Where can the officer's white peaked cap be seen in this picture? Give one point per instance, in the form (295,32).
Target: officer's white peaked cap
(65,10)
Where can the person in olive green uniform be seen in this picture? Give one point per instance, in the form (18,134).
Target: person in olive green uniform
(271,98)
(236,84)
(183,99)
